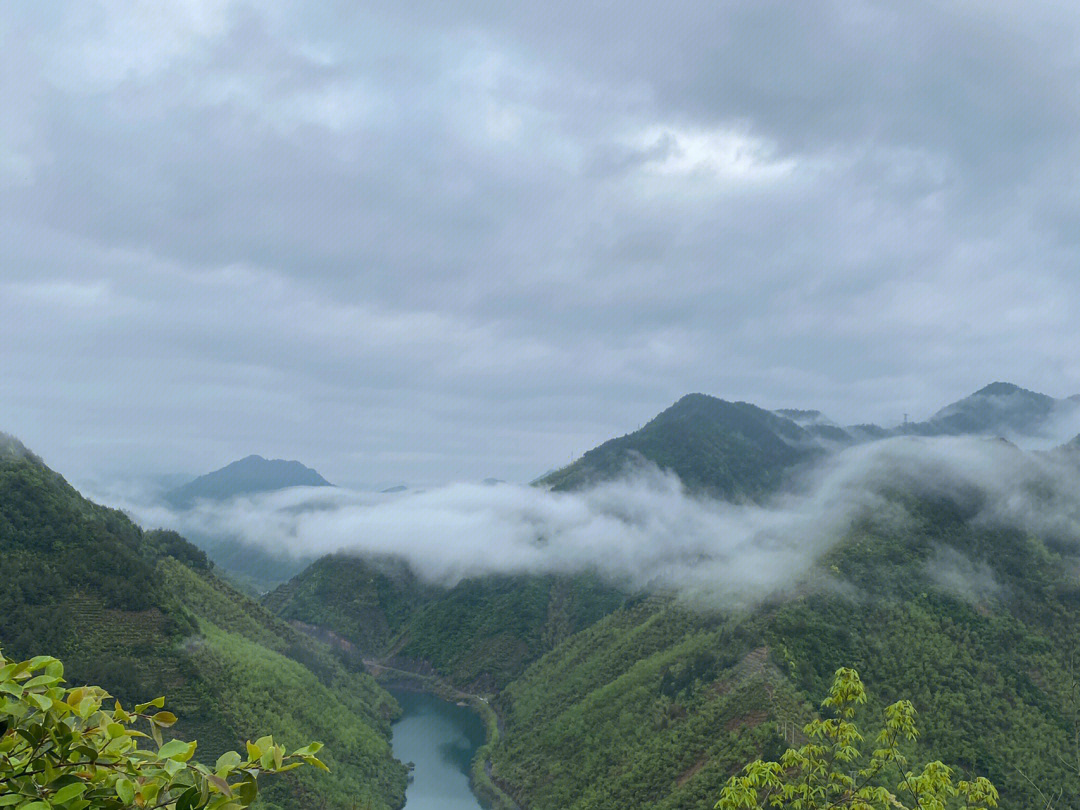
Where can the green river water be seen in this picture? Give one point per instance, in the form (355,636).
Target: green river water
(441,739)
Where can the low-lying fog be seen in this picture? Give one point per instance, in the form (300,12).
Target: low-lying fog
(645,531)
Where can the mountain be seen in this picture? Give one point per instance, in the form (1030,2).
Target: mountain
(655,702)
(143,614)
(255,568)
(1000,409)
(247,476)
(733,450)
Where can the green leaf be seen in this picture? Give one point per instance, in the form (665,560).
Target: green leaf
(177,749)
(265,742)
(227,761)
(188,799)
(125,790)
(247,791)
(41,680)
(165,719)
(156,702)
(220,784)
(66,794)
(308,750)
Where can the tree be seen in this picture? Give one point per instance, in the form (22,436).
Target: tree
(65,748)
(833,771)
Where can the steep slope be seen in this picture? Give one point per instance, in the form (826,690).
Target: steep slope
(732,450)
(480,632)
(641,701)
(244,477)
(656,705)
(365,602)
(143,614)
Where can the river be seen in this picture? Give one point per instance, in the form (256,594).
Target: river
(440,739)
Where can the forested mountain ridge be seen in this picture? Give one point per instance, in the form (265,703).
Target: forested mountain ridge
(725,449)
(737,451)
(142,614)
(656,701)
(988,657)
(999,409)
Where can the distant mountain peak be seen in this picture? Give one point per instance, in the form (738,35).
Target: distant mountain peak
(249,475)
(1000,389)
(1001,408)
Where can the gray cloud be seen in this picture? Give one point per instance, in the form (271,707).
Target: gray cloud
(432,241)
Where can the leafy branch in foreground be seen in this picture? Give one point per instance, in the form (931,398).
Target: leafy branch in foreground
(64,748)
(832,771)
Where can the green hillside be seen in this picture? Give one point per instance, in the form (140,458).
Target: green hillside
(481,632)
(142,614)
(662,704)
(732,450)
(611,700)
(365,602)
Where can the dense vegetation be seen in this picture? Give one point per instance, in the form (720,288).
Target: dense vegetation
(77,748)
(663,703)
(607,699)
(731,450)
(481,632)
(840,767)
(142,613)
(642,699)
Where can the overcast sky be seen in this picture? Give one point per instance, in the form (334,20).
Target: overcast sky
(409,241)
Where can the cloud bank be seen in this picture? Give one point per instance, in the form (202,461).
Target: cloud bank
(645,532)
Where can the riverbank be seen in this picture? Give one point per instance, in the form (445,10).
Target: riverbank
(483,785)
